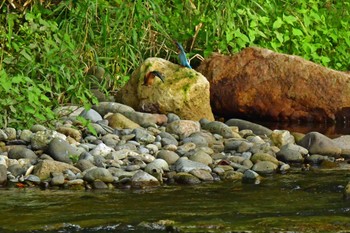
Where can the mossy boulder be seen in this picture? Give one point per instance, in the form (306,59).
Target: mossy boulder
(184,91)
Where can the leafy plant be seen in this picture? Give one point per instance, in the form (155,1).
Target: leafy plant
(87,124)
(54,43)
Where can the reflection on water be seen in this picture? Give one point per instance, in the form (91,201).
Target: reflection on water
(330,129)
(310,201)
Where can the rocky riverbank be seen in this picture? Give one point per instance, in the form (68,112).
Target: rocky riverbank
(133,149)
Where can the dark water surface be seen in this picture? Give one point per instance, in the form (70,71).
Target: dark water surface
(295,202)
(330,129)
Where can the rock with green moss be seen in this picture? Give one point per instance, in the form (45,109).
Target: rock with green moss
(184,91)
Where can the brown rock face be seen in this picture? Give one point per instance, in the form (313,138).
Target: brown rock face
(258,83)
(184,91)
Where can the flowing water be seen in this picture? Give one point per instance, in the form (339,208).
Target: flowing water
(299,201)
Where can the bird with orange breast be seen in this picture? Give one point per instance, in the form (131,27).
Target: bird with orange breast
(148,80)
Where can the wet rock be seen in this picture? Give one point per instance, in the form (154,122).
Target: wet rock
(156,168)
(101,150)
(19,152)
(343,142)
(159,163)
(36,128)
(26,135)
(45,167)
(232,175)
(202,174)
(186,178)
(3,174)
(327,164)
(119,121)
(87,156)
(84,164)
(317,143)
(168,139)
(57,179)
(146,119)
(318,159)
(132,167)
(77,183)
(264,157)
(199,140)
(290,153)
(41,139)
(16,170)
(186,165)
(110,140)
(143,179)
(69,175)
(346,192)
(152,148)
(73,133)
(91,115)
(183,128)
(281,137)
(220,128)
(97,184)
(184,92)
(172,117)
(32,179)
(244,147)
(100,130)
(264,167)
(143,136)
(232,144)
(284,167)
(243,124)
(201,157)
(169,156)
(185,148)
(98,173)
(122,154)
(3,135)
(60,150)
(120,173)
(11,133)
(251,177)
(105,107)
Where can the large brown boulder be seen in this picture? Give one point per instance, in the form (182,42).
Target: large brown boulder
(259,83)
(184,91)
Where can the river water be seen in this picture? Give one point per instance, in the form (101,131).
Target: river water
(300,201)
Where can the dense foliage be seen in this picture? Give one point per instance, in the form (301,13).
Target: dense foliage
(47,46)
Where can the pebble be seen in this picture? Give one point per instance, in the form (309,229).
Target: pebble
(161,149)
(98,173)
(169,156)
(3,175)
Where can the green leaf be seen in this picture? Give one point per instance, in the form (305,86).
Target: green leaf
(26,55)
(229,36)
(278,23)
(92,129)
(18,79)
(279,36)
(297,32)
(325,60)
(240,35)
(289,19)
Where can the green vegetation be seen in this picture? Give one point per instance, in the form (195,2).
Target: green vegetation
(46,48)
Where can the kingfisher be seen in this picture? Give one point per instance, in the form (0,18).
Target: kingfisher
(182,55)
(149,77)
